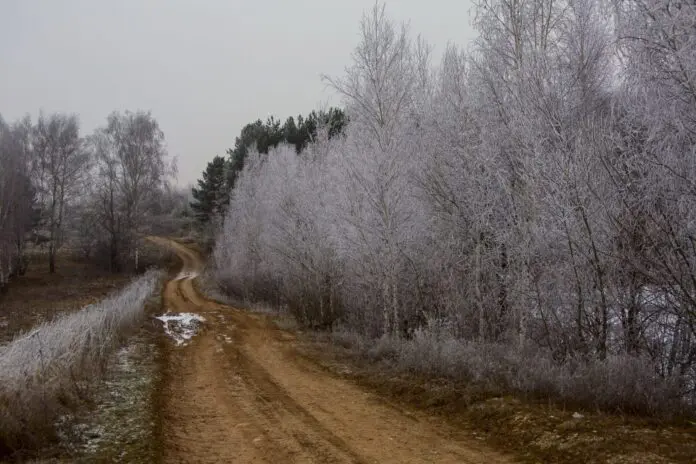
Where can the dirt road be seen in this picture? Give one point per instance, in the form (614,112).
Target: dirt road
(237,393)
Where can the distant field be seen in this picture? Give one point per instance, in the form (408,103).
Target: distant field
(39,296)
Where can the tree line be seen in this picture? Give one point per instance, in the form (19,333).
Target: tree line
(534,193)
(95,192)
(211,196)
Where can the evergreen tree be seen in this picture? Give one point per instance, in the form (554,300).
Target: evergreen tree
(212,195)
(261,135)
(265,136)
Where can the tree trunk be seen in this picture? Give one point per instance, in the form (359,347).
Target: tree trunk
(385,296)
(502,292)
(477,292)
(395,307)
(114,265)
(52,258)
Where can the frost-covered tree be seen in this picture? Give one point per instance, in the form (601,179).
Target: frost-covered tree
(381,91)
(17,197)
(533,194)
(655,140)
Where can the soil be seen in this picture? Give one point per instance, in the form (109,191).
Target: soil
(239,392)
(533,430)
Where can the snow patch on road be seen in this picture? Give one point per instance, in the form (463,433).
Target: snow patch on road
(186,275)
(181,326)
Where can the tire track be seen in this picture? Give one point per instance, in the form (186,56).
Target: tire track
(238,393)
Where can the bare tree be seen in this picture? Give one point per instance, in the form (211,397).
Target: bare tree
(378,85)
(16,198)
(132,167)
(60,163)
(381,89)
(655,139)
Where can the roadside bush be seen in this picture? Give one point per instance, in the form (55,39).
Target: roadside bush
(625,384)
(349,340)
(620,383)
(46,372)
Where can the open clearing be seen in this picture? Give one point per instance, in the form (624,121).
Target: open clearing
(237,392)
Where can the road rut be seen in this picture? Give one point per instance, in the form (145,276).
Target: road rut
(237,393)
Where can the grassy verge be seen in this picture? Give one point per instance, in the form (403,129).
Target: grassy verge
(206,286)
(112,418)
(47,372)
(123,423)
(531,429)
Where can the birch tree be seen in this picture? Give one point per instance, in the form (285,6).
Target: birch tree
(535,192)
(132,167)
(16,198)
(656,141)
(60,164)
(379,89)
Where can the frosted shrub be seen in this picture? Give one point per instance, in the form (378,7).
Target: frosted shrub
(43,372)
(349,339)
(620,383)
(384,348)
(626,384)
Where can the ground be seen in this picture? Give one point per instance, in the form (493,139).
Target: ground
(269,395)
(238,392)
(532,430)
(238,388)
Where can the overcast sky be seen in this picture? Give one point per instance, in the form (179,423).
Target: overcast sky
(203,67)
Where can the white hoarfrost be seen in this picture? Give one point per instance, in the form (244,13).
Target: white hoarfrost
(181,326)
(524,193)
(186,275)
(43,368)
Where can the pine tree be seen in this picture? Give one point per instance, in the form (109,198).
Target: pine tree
(212,195)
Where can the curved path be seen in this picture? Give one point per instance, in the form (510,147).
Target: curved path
(236,393)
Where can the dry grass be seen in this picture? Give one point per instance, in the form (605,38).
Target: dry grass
(38,297)
(619,384)
(122,425)
(534,430)
(207,285)
(45,371)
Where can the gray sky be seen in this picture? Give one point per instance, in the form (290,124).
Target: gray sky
(204,68)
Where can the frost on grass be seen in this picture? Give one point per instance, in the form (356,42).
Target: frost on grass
(122,427)
(181,327)
(208,284)
(44,372)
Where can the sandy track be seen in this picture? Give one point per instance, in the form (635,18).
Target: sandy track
(237,393)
